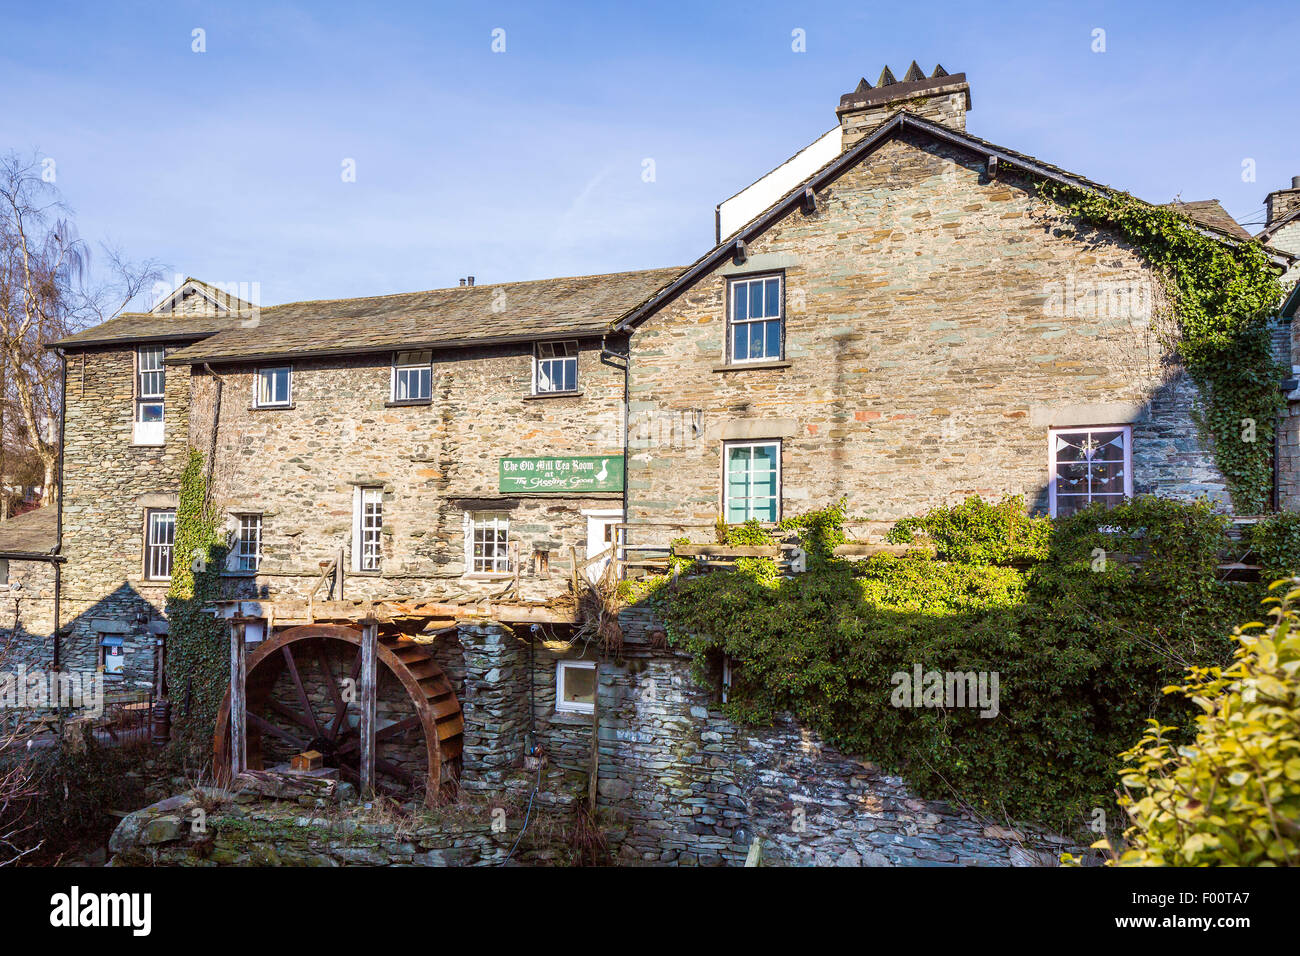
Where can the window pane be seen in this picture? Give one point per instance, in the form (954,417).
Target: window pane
(739,301)
(579,685)
(772,349)
(773,298)
(151,412)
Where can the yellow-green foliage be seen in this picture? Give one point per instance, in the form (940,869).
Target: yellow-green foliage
(1232,796)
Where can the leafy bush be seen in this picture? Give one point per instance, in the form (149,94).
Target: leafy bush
(1082,647)
(1276,541)
(1232,796)
(979,532)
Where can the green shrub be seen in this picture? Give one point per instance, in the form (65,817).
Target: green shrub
(979,532)
(1231,797)
(1082,648)
(1276,542)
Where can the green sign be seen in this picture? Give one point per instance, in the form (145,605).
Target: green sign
(542,476)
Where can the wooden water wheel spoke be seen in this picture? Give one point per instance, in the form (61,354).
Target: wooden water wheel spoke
(343,704)
(392,730)
(275,686)
(261,723)
(323,660)
(289,662)
(287,712)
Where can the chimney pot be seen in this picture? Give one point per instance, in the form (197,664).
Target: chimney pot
(462,281)
(1295,182)
(470,280)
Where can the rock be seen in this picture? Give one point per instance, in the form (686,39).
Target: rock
(614,788)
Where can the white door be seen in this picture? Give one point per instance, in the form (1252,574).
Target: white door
(600,539)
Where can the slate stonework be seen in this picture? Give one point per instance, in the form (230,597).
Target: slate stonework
(937,323)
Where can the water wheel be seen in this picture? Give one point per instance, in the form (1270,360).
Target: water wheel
(283,715)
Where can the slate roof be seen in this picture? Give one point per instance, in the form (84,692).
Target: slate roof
(440,318)
(29,535)
(147,327)
(1209,213)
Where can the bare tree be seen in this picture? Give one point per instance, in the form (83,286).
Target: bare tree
(46,293)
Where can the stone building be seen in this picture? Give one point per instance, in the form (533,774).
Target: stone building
(1282,231)
(894,315)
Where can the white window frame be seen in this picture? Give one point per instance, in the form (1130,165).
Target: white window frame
(154,548)
(727,448)
(748,280)
(549,354)
(487,521)
(239,554)
(149,432)
(567,706)
(367,535)
(260,378)
(422,363)
(1052,434)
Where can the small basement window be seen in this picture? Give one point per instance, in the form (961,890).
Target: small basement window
(575,687)
(274,387)
(112,655)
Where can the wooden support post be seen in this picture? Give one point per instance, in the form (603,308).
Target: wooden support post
(238,701)
(369,650)
(339,571)
(595,740)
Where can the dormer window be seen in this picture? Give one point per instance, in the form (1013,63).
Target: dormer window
(555,368)
(412,377)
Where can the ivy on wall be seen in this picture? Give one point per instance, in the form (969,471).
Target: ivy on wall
(1223,296)
(1083,641)
(198,647)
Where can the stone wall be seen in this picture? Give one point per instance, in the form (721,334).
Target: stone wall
(298,467)
(109,483)
(937,323)
(27,616)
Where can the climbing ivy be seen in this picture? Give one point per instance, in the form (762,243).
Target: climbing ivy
(198,650)
(1084,641)
(1223,295)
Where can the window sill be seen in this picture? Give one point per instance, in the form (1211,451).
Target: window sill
(573,393)
(574,718)
(742,366)
(406,404)
(487,576)
(272,408)
(238,574)
(148,444)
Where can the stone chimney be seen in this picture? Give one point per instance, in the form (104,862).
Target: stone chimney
(940,97)
(1281,202)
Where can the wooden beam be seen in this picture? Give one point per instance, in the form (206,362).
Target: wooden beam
(238,701)
(369,645)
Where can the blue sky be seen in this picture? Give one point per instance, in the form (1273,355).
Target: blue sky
(528,163)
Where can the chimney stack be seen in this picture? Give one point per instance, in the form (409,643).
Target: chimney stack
(1282,201)
(940,97)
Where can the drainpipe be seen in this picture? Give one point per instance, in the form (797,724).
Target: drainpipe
(58,527)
